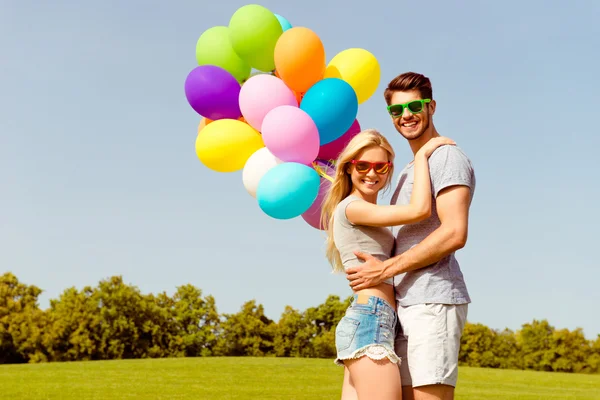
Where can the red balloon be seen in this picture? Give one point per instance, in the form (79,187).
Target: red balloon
(331,150)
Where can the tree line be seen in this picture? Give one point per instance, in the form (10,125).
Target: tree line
(114,320)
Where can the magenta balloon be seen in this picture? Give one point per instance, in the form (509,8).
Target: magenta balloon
(213,92)
(312,216)
(331,150)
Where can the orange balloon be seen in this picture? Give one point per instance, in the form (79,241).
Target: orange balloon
(299,97)
(206,121)
(299,58)
(203,123)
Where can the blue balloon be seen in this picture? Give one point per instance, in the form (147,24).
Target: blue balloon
(287,190)
(332,104)
(285,24)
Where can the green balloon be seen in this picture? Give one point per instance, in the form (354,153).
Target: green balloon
(214,48)
(254,31)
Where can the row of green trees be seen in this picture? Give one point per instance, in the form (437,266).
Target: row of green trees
(115,320)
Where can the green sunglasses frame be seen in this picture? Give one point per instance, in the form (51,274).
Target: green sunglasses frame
(405,106)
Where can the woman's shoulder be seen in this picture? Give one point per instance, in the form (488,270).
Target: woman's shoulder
(347,200)
(340,210)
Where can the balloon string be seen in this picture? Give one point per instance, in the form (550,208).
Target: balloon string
(321,172)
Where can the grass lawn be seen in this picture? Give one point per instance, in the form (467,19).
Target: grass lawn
(255,378)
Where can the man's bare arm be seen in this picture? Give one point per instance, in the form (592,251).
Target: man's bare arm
(453,210)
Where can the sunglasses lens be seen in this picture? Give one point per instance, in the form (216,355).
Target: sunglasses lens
(415,106)
(396,110)
(382,168)
(362,167)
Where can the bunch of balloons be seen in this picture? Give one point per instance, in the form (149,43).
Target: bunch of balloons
(273,107)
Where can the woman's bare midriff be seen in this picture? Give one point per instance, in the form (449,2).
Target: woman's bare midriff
(383,291)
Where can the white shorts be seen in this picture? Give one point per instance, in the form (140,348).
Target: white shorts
(428,342)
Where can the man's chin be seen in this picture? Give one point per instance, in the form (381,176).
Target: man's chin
(412,135)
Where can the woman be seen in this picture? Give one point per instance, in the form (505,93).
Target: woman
(354,222)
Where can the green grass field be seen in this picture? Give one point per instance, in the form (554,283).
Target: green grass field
(255,378)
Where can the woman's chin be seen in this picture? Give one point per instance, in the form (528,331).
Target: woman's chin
(369,191)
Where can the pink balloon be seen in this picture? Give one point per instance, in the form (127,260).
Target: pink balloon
(312,216)
(261,94)
(291,135)
(331,150)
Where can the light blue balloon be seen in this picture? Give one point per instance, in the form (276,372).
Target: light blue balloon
(285,24)
(332,104)
(287,190)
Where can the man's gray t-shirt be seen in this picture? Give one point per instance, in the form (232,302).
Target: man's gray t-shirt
(443,281)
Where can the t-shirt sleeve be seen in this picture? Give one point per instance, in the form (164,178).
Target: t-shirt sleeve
(449,166)
(343,206)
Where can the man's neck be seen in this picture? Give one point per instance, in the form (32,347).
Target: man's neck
(415,145)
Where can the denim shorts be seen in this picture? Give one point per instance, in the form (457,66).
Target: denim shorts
(368,328)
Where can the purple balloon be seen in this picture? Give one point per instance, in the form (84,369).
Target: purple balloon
(312,216)
(331,150)
(213,92)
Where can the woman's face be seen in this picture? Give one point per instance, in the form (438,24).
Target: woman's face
(363,172)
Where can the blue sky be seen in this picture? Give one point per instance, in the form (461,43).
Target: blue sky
(100,177)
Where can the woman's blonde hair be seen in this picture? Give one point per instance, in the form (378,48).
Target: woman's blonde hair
(341,187)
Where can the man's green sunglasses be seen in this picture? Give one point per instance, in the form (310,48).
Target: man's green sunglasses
(414,106)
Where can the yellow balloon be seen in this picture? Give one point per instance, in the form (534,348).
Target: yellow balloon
(225,145)
(359,68)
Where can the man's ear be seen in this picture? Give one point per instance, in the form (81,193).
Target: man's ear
(432,105)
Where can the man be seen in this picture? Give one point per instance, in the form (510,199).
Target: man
(431,294)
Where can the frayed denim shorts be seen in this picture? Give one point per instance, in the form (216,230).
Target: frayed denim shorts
(368,328)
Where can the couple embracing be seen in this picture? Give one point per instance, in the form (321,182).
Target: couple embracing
(400,336)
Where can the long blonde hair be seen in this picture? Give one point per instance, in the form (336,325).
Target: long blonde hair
(341,187)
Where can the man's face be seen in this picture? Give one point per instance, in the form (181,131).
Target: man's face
(412,125)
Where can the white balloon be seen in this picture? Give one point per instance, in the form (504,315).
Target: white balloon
(257,165)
